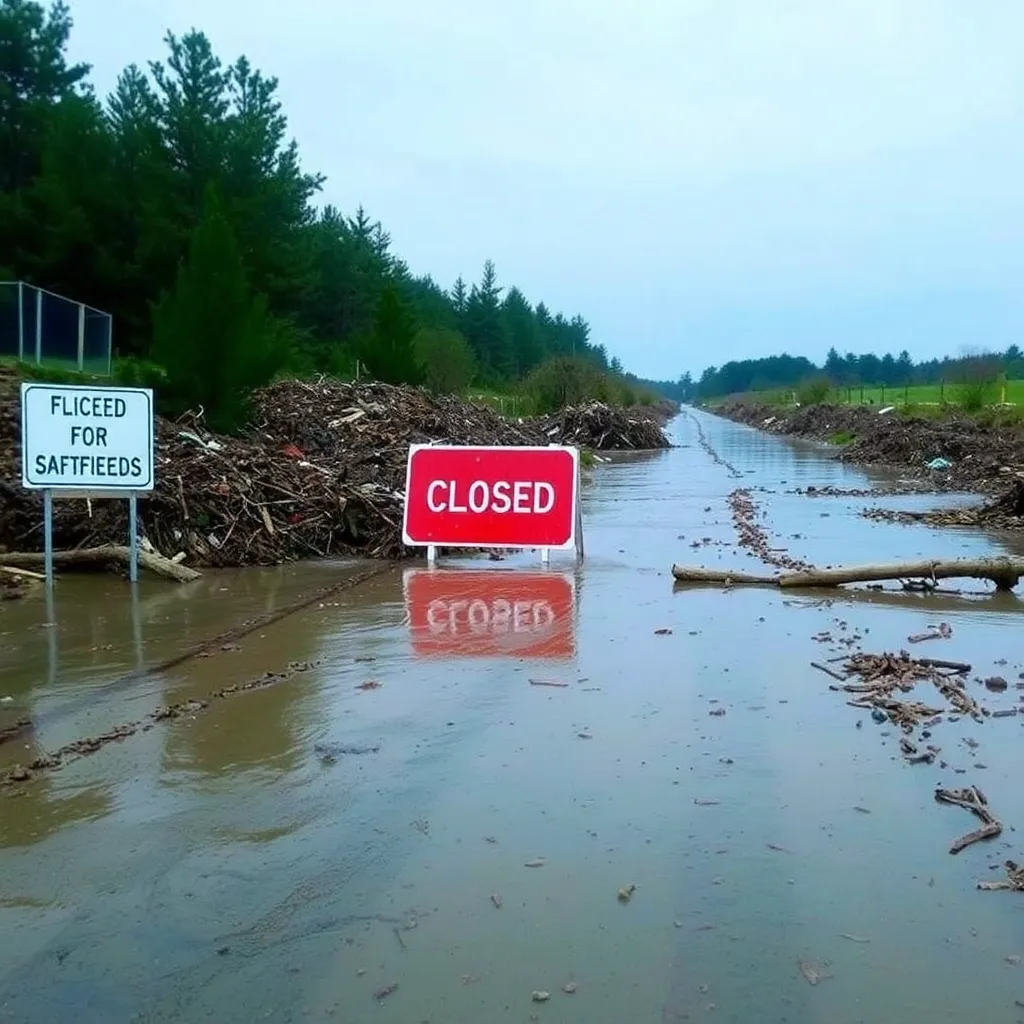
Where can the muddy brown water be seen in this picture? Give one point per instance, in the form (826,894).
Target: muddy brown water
(216,867)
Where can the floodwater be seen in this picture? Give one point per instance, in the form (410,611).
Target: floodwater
(215,866)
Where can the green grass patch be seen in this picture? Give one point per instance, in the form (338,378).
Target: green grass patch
(924,394)
(136,373)
(52,372)
(842,437)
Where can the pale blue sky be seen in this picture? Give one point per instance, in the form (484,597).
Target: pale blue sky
(702,179)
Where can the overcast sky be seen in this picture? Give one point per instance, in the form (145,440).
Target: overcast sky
(703,180)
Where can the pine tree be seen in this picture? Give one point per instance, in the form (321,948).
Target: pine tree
(446,360)
(524,336)
(388,353)
(459,296)
(108,204)
(486,329)
(216,341)
(34,77)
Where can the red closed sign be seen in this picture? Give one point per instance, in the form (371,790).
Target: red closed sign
(461,496)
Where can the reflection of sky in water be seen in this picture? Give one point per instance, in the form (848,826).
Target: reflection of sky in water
(225,832)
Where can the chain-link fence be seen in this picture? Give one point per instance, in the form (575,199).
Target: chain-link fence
(41,327)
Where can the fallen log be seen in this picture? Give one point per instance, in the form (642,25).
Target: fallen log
(1005,573)
(100,557)
(728,577)
(20,574)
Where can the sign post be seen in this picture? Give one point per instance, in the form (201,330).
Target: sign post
(48,535)
(133,537)
(492,497)
(87,442)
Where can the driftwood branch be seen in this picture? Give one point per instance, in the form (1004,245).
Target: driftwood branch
(971,799)
(697,574)
(100,558)
(1014,880)
(20,574)
(1005,573)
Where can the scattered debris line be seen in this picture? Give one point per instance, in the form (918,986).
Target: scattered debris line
(702,440)
(754,538)
(92,744)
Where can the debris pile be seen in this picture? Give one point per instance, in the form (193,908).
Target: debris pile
(1003,513)
(603,428)
(321,471)
(882,675)
(980,455)
(370,425)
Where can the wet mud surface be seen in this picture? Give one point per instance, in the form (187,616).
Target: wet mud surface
(565,796)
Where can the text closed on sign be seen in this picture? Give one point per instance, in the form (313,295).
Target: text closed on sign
(84,438)
(491,497)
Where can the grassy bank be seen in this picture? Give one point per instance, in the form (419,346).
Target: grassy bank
(969,397)
(1011,393)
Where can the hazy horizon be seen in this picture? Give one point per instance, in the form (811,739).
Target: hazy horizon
(701,180)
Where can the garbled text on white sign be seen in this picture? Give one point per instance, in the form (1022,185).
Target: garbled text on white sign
(86,438)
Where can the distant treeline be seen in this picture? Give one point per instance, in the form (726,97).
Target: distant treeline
(785,371)
(180,205)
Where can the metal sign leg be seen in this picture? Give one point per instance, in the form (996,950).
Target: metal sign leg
(52,652)
(431,554)
(48,536)
(137,628)
(133,538)
(579,531)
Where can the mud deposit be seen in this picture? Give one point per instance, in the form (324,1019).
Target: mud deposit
(572,796)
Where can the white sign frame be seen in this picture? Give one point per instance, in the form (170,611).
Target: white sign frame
(89,489)
(92,487)
(576,538)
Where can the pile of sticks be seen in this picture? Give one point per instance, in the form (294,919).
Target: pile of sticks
(604,428)
(320,471)
(880,676)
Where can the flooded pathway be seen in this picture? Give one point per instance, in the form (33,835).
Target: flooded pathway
(451,793)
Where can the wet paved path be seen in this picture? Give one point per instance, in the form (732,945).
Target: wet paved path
(215,867)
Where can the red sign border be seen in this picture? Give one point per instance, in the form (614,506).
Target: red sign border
(574,453)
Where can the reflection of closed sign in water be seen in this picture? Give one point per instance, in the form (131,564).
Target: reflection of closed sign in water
(492,613)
